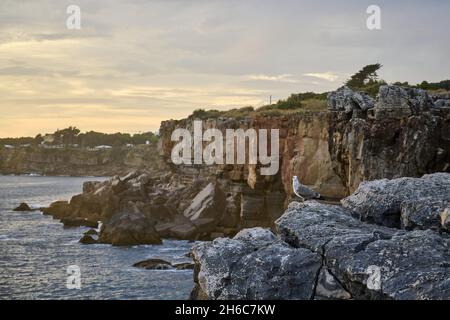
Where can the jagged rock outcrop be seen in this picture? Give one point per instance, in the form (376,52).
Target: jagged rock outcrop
(128,229)
(339,257)
(400,201)
(139,207)
(254,265)
(404,133)
(347,100)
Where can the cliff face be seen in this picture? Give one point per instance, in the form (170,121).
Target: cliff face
(77,162)
(402,133)
(304,152)
(256,199)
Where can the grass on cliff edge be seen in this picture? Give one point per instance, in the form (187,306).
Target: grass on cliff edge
(296,103)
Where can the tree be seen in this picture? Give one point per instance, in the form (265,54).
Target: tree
(66,136)
(364,77)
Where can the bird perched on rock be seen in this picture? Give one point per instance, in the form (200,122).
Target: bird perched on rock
(302,191)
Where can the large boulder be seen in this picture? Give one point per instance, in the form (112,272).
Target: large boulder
(128,229)
(254,265)
(381,201)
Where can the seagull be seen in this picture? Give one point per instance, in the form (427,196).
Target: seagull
(302,191)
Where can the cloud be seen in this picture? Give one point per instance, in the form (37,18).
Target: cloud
(143,61)
(278,78)
(328,76)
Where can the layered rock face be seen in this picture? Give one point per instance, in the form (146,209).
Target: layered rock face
(77,161)
(404,132)
(325,251)
(303,141)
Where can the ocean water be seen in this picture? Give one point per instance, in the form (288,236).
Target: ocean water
(35,252)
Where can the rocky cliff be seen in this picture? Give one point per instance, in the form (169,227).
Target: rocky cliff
(404,132)
(76,161)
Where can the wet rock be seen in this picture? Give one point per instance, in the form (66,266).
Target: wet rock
(184,266)
(91,232)
(87,239)
(128,229)
(23,207)
(154,264)
(380,201)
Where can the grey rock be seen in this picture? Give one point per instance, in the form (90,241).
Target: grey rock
(254,265)
(400,137)
(424,213)
(395,97)
(345,99)
(380,201)
(323,252)
(411,265)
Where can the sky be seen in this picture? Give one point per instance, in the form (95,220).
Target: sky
(135,63)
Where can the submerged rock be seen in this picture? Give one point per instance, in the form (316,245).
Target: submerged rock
(23,207)
(87,239)
(153,264)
